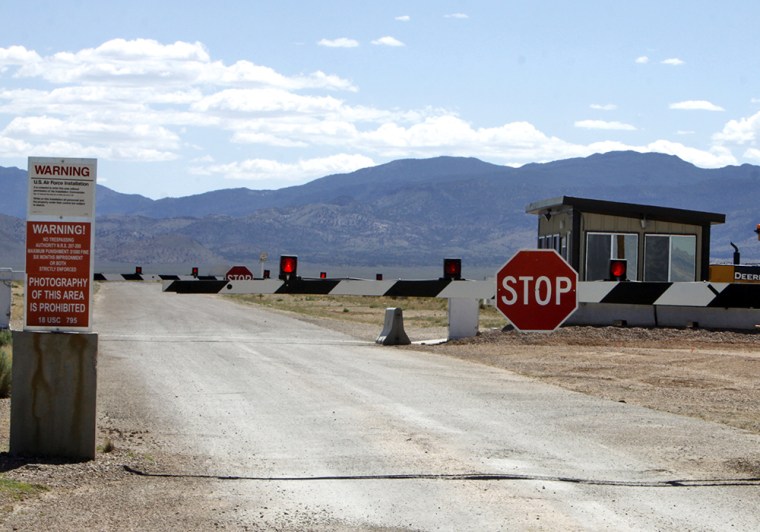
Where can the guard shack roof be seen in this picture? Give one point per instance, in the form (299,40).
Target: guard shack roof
(658,243)
(629,210)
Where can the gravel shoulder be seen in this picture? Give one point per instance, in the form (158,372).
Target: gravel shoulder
(712,375)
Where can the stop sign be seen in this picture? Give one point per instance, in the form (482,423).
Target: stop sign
(238,273)
(536,290)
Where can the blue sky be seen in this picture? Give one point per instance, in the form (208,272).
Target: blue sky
(181,97)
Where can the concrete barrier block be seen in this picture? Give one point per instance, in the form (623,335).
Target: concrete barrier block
(605,314)
(393,329)
(53,397)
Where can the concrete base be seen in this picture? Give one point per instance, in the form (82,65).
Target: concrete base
(604,314)
(393,329)
(53,397)
(464,315)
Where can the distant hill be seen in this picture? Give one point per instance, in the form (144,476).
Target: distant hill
(407,212)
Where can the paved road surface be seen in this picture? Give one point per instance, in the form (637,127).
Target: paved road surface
(285,425)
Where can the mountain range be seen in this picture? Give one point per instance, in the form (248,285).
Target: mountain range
(410,212)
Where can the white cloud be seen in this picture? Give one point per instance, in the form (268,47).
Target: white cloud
(673,61)
(388,41)
(602,124)
(642,60)
(752,154)
(122,61)
(11,146)
(145,101)
(741,131)
(136,98)
(126,140)
(695,105)
(715,157)
(514,143)
(404,18)
(457,15)
(256,170)
(342,42)
(144,62)
(17,55)
(266,100)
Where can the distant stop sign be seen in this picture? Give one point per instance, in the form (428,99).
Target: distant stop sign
(536,290)
(238,273)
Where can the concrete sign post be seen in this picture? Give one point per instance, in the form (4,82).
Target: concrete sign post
(53,405)
(536,290)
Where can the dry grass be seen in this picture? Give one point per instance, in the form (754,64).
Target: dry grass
(419,312)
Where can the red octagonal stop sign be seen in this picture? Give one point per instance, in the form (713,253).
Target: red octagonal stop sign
(238,273)
(536,290)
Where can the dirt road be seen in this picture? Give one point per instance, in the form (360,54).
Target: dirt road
(309,429)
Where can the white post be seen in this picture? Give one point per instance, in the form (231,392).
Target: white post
(464,314)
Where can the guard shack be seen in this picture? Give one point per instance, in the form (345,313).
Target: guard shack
(658,243)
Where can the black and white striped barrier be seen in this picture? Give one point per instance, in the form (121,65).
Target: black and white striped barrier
(463,296)
(709,295)
(696,304)
(153,277)
(697,294)
(443,288)
(711,305)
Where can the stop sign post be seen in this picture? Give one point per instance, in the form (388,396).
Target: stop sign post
(536,290)
(238,273)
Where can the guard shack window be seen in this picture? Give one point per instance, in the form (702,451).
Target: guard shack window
(601,247)
(670,258)
(559,243)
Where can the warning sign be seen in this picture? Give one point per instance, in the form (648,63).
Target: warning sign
(59,242)
(61,187)
(58,274)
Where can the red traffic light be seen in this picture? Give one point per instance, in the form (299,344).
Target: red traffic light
(194,271)
(618,270)
(452,269)
(288,267)
(323,275)
(138,270)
